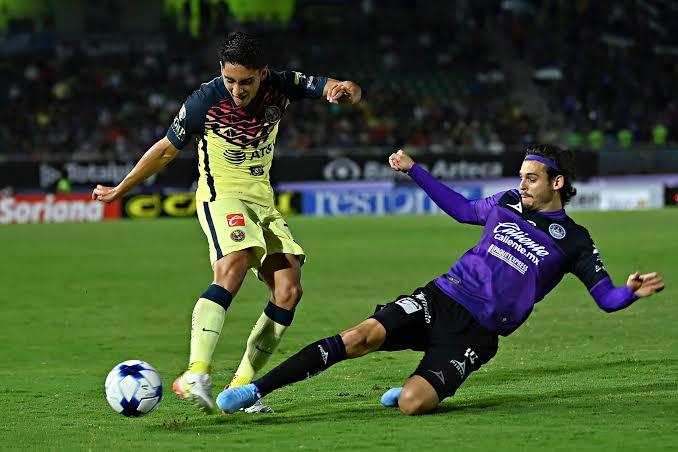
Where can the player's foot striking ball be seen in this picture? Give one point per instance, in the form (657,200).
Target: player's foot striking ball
(235,118)
(197,388)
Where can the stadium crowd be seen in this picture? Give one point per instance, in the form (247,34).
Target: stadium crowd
(609,67)
(427,87)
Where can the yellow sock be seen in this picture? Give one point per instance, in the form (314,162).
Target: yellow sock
(261,344)
(207,321)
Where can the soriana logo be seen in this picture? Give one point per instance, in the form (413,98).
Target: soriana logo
(55,209)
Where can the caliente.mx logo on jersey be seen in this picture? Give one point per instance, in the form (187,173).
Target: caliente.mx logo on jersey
(519,240)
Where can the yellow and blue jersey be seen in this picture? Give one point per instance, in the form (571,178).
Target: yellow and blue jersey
(236,144)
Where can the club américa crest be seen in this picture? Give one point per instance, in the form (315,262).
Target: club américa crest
(238,235)
(273,114)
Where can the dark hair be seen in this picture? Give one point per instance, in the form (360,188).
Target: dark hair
(243,49)
(564,159)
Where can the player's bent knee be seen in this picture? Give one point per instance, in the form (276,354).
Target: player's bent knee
(288,296)
(417,397)
(376,334)
(364,338)
(411,403)
(413,408)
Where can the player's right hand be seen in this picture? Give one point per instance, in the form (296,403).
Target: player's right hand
(399,161)
(105,194)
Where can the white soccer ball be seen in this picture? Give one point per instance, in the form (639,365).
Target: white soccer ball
(133,388)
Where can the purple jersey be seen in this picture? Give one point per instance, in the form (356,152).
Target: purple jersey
(520,257)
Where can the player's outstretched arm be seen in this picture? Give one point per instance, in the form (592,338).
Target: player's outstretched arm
(451,202)
(646,284)
(610,298)
(346,92)
(159,155)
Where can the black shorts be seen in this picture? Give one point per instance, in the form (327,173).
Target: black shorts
(453,342)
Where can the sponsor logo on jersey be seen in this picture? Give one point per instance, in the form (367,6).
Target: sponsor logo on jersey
(513,230)
(409,305)
(323,353)
(257,170)
(460,366)
(235,219)
(518,206)
(261,153)
(303,79)
(422,298)
(599,262)
(438,374)
(471,355)
(237,157)
(178,123)
(234,156)
(453,279)
(509,258)
(238,235)
(513,236)
(557,231)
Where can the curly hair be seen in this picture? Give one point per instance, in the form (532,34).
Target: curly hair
(243,49)
(564,159)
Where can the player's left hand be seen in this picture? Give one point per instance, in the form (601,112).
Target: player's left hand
(646,284)
(343,93)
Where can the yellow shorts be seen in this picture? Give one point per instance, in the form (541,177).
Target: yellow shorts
(232,225)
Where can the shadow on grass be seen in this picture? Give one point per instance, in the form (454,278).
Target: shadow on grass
(338,412)
(547,397)
(499,377)
(239,421)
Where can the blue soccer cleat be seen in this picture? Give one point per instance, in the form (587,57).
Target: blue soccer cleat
(390,397)
(233,399)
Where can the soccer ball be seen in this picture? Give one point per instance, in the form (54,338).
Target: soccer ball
(133,388)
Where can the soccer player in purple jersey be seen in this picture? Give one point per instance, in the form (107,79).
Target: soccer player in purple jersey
(528,244)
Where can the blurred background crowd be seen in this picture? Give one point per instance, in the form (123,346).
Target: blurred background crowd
(91,80)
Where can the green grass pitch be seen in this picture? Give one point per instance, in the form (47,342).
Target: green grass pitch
(77,299)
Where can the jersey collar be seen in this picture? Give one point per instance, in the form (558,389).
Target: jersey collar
(556,215)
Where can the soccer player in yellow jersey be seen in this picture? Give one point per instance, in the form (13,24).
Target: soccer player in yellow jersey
(235,120)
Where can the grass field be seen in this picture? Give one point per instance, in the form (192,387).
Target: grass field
(77,299)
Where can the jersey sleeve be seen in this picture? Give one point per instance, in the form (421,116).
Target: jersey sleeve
(587,265)
(610,298)
(483,206)
(452,203)
(301,86)
(188,122)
